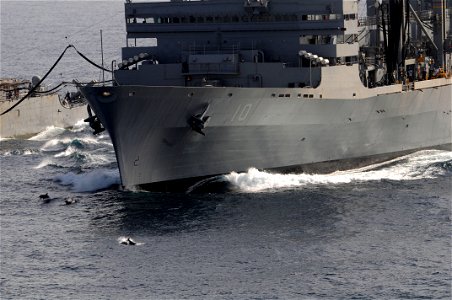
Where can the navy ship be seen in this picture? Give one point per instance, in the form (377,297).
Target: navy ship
(41,109)
(209,87)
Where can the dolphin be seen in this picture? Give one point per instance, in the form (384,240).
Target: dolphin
(44,196)
(129,242)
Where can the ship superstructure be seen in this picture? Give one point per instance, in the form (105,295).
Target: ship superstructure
(210,87)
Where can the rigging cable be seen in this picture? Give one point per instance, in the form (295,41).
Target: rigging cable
(37,85)
(63,83)
(52,89)
(32,90)
(90,61)
(66,83)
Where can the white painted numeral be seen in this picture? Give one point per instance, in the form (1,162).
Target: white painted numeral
(242,112)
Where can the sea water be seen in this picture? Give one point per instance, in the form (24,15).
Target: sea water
(378,232)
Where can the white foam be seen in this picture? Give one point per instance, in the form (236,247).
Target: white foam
(79,126)
(67,148)
(48,133)
(89,182)
(94,141)
(89,140)
(55,145)
(123,239)
(44,163)
(29,152)
(410,167)
(100,159)
(135,189)
(69,151)
(24,152)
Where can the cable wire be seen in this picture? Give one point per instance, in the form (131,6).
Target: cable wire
(37,85)
(32,90)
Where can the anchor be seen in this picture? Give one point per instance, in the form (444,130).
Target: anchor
(94,122)
(199,122)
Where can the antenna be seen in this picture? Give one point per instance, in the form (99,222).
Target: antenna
(102,52)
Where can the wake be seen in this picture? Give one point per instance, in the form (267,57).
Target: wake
(420,165)
(89,182)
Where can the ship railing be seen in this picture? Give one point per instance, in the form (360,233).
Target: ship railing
(367,21)
(424,15)
(212,68)
(13,90)
(207,49)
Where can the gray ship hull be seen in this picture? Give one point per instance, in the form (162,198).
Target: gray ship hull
(265,128)
(35,114)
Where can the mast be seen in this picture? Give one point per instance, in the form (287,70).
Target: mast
(394,44)
(439,29)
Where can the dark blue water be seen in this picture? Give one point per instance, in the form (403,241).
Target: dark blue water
(381,232)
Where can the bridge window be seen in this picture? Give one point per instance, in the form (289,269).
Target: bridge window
(237,18)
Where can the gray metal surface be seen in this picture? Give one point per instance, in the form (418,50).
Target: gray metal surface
(35,114)
(246,67)
(250,128)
